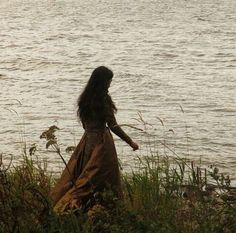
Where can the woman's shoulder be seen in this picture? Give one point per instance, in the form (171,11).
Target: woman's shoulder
(109,104)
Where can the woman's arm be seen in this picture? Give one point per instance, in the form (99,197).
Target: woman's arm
(116,129)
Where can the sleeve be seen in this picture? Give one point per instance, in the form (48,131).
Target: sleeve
(116,129)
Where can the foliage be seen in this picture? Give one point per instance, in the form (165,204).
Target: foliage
(166,195)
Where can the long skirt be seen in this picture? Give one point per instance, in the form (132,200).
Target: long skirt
(92,168)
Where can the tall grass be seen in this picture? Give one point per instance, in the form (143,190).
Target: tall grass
(178,199)
(165,194)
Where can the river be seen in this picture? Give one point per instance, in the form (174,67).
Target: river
(174,62)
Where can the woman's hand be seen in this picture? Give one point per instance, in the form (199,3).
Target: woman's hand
(134,146)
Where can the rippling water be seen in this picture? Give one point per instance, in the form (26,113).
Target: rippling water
(174,61)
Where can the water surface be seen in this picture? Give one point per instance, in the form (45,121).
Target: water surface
(172,60)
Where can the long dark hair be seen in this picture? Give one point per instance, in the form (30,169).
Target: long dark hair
(95,101)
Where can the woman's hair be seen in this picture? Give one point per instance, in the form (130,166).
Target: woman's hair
(95,101)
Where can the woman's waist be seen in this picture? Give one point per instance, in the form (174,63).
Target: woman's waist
(95,136)
(95,130)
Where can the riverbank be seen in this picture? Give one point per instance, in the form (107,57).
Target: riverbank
(165,195)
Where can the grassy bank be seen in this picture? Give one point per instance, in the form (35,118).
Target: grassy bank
(165,195)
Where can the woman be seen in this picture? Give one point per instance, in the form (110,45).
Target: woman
(93,167)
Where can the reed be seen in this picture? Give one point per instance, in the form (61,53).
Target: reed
(166,194)
(170,197)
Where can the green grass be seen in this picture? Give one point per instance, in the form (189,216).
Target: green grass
(165,195)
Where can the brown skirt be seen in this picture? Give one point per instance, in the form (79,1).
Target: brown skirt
(92,167)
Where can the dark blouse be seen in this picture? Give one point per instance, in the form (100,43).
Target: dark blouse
(110,122)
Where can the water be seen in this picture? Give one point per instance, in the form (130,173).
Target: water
(172,60)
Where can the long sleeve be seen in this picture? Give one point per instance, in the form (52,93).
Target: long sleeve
(116,129)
